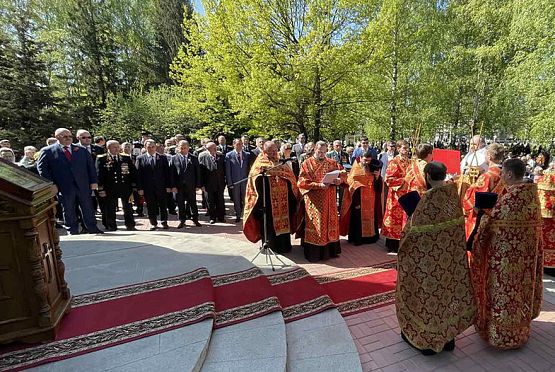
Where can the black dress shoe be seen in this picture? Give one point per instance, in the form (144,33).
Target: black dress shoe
(153,228)
(140,214)
(221,219)
(237,219)
(131,228)
(112,229)
(212,222)
(197,224)
(450,346)
(97,231)
(73,233)
(173,213)
(165,225)
(181,225)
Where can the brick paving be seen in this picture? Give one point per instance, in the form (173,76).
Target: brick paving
(376,332)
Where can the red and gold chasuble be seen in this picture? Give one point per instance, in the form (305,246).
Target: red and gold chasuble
(278,178)
(321,219)
(507,268)
(546,192)
(393,220)
(359,178)
(488,182)
(415,176)
(434,297)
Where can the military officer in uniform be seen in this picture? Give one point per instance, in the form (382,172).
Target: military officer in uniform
(117,176)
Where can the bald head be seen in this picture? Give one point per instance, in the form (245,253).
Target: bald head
(271,150)
(211,147)
(64,137)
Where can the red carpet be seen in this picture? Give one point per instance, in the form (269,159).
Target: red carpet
(299,294)
(111,317)
(243,296)
(357,290)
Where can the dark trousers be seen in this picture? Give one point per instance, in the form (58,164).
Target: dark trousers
(238,193)
(216,205)
(170,203)
(156,204)
(187,195)
(138,201)
(109,212)
(73,200)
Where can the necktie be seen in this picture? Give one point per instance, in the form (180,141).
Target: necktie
(240,159)
(67,153)
(185,159)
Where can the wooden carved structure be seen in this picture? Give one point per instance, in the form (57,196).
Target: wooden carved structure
(33,293)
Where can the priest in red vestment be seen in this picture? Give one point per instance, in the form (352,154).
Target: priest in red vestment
(546,190)
(415,172)
(434,298)
(361,207)
(393,220)
(507,263)
(282,197)
(320,233)
(490,181)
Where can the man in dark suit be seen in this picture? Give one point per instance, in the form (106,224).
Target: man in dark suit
(257,150)
(212,180)
(117,176)
(223,148)
(85,140)
(71,169)
(186,176)
(154,182)
(298,147)
(236,169)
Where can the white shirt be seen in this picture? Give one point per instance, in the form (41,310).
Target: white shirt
(476,161)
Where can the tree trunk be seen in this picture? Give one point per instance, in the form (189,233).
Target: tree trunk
(394,83)
(317,101)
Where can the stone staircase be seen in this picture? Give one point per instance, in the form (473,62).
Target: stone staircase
(321,342)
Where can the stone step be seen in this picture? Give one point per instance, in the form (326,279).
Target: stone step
(255,345)
(321,342)
(92,266)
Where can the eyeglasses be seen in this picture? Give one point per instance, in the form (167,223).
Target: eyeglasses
(84,137)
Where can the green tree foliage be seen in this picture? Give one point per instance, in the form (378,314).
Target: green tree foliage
(327,68)
(29,113)
(158,111)
(283,67)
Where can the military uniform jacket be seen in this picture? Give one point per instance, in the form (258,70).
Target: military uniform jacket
(117,175)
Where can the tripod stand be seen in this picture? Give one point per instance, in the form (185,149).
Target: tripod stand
(265,248)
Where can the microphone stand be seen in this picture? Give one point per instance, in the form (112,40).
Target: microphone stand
(265,245)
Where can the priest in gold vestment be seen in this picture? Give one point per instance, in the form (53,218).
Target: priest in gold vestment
(507,264)
(320,232)
(282,197)
(434,298)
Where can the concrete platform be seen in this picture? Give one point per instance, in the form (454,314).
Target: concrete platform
(96,262)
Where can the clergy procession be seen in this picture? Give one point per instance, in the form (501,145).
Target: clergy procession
(471,242)
(468,253)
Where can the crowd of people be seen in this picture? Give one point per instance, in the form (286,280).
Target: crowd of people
(500,207)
